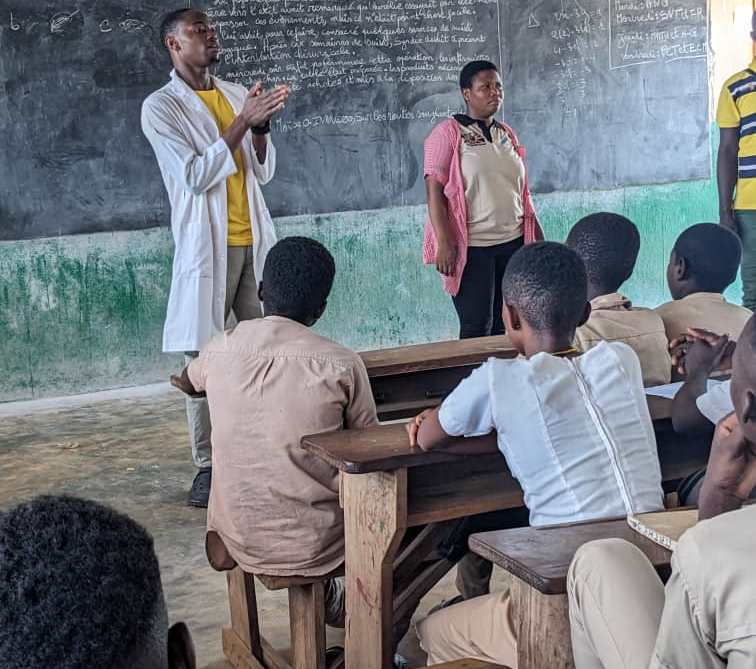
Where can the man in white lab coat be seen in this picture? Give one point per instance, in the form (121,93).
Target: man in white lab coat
(210,138)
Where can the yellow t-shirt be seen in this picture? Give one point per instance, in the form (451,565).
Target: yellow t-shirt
(239,221)
(737,109)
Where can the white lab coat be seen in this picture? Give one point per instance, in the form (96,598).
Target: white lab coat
(195,163)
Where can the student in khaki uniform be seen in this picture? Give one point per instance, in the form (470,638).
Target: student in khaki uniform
(274,509)
(622,616)
(609,246)
(703,263)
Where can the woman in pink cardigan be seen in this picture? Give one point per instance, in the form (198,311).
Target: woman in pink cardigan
(479,205)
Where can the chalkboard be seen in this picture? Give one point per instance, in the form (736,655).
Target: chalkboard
(72,79)
(603,93)
(608,93)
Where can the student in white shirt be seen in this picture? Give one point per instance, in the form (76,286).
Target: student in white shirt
(575,431)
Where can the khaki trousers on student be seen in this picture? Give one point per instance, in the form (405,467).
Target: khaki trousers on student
(616,603)
(479,629)
(241,298)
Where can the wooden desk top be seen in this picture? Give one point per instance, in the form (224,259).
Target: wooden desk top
(436,355)
(541,557)
(385,447)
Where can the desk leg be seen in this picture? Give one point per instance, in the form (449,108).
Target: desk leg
(375,519)
(543,628)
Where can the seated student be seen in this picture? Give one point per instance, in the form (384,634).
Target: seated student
(270,382)
(575,431)
(609,245)
(703,263)
(622,616)
(80,588)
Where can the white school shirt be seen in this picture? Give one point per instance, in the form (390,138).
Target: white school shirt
(195,162)
(716,402)
(576,432)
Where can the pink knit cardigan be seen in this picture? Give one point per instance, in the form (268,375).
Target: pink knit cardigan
(443,163)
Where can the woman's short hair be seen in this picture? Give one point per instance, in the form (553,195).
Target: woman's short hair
(471,69)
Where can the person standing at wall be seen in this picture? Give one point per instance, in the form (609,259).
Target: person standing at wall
(211,141)
(479,205)
(736,167)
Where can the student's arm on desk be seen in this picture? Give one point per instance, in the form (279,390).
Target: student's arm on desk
(465,413)
(426,432)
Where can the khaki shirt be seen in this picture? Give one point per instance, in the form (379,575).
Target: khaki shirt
(270,382)
(613,318)
(703,310)
(493,175)
(709,617)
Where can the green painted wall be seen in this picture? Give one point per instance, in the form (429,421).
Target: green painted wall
(85,313)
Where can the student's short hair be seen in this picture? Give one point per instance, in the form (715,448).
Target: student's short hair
(608,245)
(712,254)
(79,586)
(547,283)
(170,21)
(471,69)
(297,277)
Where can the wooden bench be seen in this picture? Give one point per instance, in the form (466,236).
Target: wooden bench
(538,560)
(246,648)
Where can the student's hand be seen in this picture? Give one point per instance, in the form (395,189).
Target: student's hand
(732,462)
(446,257)
(727,220)
(701,351)
(183,383)
(261,105)
(413,427)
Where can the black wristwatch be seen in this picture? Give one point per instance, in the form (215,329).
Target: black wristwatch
(261,129)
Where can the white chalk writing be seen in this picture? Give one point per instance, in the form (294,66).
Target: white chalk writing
(335,46)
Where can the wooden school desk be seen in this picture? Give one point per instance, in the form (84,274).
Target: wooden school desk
(538,560)
(409,379)
(388,488)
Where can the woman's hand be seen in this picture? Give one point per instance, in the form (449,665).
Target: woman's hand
(446,257)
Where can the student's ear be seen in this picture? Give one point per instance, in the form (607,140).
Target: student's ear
(511,318)
(181,648)
(749,407)
(586,314)
(679,267)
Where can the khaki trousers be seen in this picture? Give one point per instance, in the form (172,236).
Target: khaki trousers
(241,298)
(479,629)
(616,604)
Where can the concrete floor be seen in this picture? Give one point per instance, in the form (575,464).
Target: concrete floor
(130,450)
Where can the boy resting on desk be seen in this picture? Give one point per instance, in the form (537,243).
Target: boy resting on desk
(703,263)
(575,431)
(620,613)
(269,382)
(608,245)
